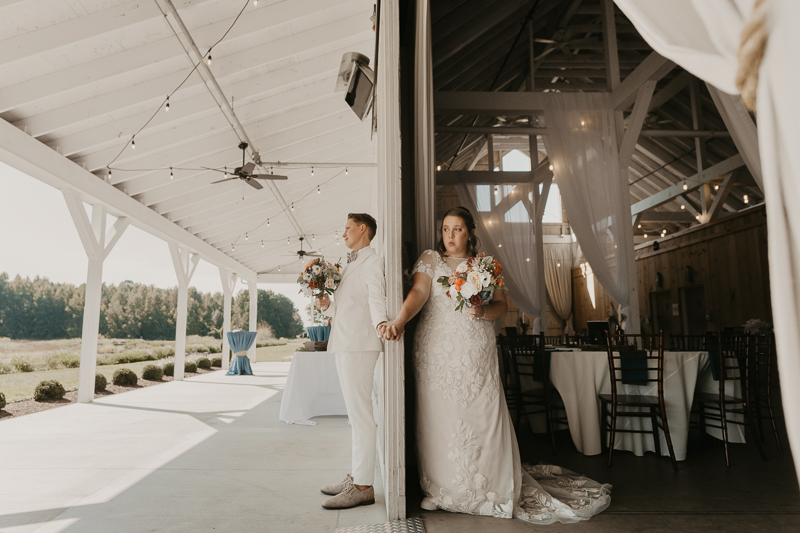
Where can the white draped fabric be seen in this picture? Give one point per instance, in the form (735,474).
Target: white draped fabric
(558,278)
(506,233)
(742,128)
(778,111)
(582,145)
(424,145)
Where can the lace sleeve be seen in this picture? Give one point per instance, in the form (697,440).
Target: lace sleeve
(426,264)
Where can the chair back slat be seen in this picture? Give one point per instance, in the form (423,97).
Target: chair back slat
(687,342)
(527,356)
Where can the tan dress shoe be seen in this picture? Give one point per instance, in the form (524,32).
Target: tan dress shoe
(350,497)
(335,488)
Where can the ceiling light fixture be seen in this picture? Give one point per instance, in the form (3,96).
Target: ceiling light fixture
(208,60)
(166,106)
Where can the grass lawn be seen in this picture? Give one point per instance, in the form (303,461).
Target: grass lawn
(272,354)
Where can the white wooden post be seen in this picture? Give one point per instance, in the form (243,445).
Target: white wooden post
(387,106)
(228,284)
(93,237)
(185,264)
(252,285)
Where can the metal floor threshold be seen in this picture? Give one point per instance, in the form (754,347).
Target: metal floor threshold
(411,525)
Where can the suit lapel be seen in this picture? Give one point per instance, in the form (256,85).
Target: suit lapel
(362,255)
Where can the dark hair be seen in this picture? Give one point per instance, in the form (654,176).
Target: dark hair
(367,220)
(464,214)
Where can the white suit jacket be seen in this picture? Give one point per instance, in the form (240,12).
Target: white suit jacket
(358,305)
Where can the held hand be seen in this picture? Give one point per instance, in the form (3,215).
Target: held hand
(322,302)
(477,312)
(394,330)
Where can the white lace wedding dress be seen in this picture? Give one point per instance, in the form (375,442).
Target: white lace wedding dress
(468,455)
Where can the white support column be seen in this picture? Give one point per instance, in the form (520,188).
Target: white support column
(252,285)
(228,284)
(185,264)
(93,237)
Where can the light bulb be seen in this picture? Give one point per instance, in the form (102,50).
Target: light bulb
(697,217)
(683,206)
(267,222)
(438,167)
(133,143)
(746,199)
(226,172)
(288,241)
(279,269)
(496,191)
(583,123)
(318,191)
(233,249)
(109,174)
(345,171)
(171,175)
(645,235)
(262,244)
(551,167)
(208,60)
(499,245)
(312,171)
(166,107)
(255,3)
(528,259)
(685,187)
(313,238)
(245,236)
(292,207)
(716,187)
(639,226)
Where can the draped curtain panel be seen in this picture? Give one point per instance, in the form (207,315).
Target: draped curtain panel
(424,146)
(742,128)
(778,111)
(582,145)
(505,230)
(558,278)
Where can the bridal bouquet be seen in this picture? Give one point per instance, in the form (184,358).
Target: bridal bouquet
(474,281)
(319,277)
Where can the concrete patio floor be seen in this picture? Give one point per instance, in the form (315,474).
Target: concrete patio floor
(205,454)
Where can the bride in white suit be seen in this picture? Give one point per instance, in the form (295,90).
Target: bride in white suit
(357,309)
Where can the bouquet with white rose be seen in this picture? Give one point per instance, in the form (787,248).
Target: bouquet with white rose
(320,277)
(474,281)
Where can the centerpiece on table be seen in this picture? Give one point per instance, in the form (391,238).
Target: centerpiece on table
(473,282)
(319,277)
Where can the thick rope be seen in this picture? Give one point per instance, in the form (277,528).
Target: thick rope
(751,52)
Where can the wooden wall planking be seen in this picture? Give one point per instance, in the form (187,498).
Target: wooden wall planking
(728,259)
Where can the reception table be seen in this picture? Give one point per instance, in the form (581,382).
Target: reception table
(312,389)
(581,376)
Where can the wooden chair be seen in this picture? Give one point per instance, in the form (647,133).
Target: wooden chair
(633,359)
(762,355)
(732,361)
(552,340)
(527,357)
(687,342)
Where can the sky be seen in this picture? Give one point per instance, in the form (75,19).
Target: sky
(38,238)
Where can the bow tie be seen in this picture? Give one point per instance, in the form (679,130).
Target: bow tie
(351,256)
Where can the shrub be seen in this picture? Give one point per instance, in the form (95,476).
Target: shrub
(217,361)
(2,400)
(49,390)
(22,365)
(124,377)
(63,359)
(169,369)
(100,382)
(272,342)
(203,362)
(190,366)
(152,373)
(163,352)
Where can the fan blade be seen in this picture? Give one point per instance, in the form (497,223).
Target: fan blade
(269,177)
(314,255)
(254,184)
(545,41)
(248,168)
(226,179)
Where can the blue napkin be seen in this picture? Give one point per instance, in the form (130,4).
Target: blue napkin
(713,357)
(634,369)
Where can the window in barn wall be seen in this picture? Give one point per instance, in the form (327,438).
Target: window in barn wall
(586,270)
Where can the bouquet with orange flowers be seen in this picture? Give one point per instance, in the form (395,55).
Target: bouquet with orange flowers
(474,281)
(320,277)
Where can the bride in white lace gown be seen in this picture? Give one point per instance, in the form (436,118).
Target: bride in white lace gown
(468,456)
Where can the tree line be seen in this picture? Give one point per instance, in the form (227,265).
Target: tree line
(40,309)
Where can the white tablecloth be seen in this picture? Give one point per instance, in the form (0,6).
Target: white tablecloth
(581,376)
(312,389)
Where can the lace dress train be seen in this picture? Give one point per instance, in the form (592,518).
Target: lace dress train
(468,455)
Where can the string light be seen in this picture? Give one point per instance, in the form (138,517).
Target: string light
(528,259)
(716,187)
(746,199)
(499,245)
(262,244)
(292,206)
(318,191)
(639,226)
(345,171)
(496,190)
(551,167)
(166,106)
(245,235)
(267,222)
(279,269)
(583,123)
(312,171)
(226,172)
(683,206)
(233,249)
(685,186)
(208,60)
(109,174)
(313,238)
(438,167)
(697,217)
(171,175)
(558,264)
(255,3)
(645,235)
(133,143)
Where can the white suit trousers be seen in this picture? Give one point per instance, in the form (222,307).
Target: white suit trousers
(356,370)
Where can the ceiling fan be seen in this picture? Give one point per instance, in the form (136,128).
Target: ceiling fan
(245,173)
(302,253)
